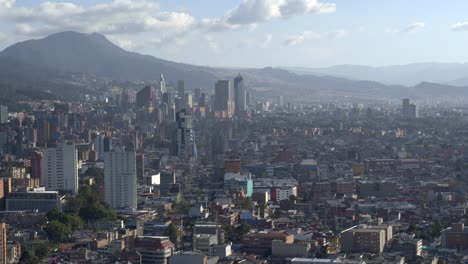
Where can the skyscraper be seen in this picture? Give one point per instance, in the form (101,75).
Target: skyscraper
(224,97)
(409,110)
(145,97)
(413,111)
(120,179)
(239,94)
(162,84)
(406,108)
(185,135)
(36,165)
(181,89)
(3,114)
(197,94)
(60,168)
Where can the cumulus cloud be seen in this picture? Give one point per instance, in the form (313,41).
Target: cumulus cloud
(116,17)
(124,43)
(460,26)
(306,35)
(256,11)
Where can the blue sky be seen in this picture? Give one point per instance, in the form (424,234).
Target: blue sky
(257,33)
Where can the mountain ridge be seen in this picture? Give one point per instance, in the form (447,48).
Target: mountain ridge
(73,52)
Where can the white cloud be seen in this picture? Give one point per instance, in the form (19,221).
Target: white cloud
(6,3)
(213,44)
(122,42)
(256,11)
(267,40)
(459,26)
(306,35)
(413,27)
(24,29)
(116,17)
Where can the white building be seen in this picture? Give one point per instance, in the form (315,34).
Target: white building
(120,180)
(60,168)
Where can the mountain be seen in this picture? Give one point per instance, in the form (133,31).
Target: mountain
(95,54)
(409,74)
(82,62)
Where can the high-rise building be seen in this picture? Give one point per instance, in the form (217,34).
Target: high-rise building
(145,97)
(224,97)
(36,165)
(60,168)
(3,243)
(120,179)
(3,114)
(185,135)
(406,108)
(162,84)
(280,101)
(248,99)
(239,94)
(167,98)
(413,111)
(181,89)
(197,94)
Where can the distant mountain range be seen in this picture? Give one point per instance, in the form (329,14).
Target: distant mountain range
(409,74)
(57,60)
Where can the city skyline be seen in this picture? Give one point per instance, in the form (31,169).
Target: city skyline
(305,33)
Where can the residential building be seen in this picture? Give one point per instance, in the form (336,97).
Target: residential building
(120,180)
(154,249)
(60,168)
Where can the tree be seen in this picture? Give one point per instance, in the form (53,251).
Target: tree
(41,250)
(247,204)
(243,229)
(172,232)
(57,231)
(28,258)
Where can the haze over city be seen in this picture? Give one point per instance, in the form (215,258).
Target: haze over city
(229,132)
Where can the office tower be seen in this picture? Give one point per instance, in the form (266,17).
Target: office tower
(167,180)
(167,98)
(197,94)
(406,108)
(248,99)
(36,165)
(180,89)
(413,111)
(280,101)
(3,114)
(120,179)
(162,84)
(185,135)
(202,99)
(60,168)
(3,243)
(239,94)
(224,100)
(125,100)
(145,97)
(188,101)
(140,165)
